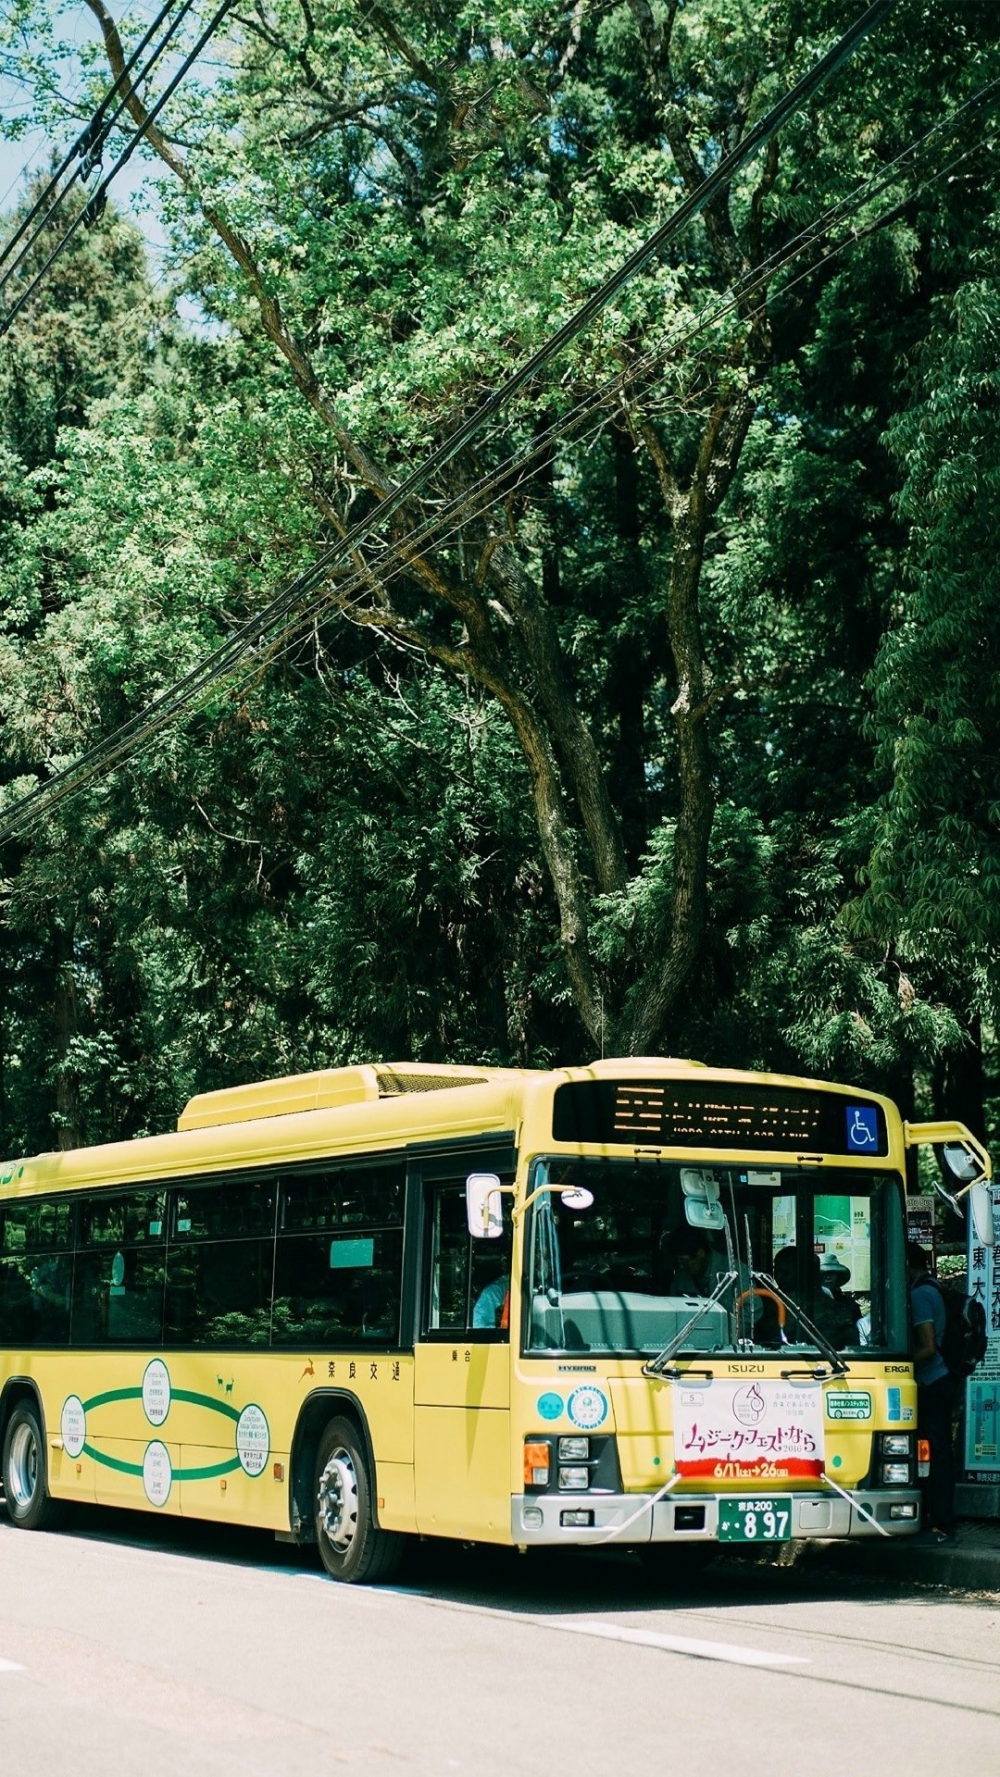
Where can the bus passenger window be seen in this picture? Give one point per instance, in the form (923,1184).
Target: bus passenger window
(118,1297)
(36,1272)
(118,1275)
(219,1292)
(337,1290)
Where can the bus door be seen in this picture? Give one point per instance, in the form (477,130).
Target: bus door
(462,1358)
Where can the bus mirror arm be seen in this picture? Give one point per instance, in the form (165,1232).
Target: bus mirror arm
(483,1191)
(574,1196)
(959,1154)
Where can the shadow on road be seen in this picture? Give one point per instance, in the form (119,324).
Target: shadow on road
(543,1582)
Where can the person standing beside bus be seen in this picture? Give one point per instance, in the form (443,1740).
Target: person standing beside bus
(935,1394)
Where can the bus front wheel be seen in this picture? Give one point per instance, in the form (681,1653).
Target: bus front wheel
(24,1472)
(351,1545)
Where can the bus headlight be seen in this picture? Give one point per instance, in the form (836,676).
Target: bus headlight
(895,1474)
(574,1480)
(895,1443)
(574,1449)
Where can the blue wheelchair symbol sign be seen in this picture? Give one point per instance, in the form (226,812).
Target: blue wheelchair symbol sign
(862,1129)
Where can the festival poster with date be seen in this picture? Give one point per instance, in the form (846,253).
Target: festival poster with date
(748,1431)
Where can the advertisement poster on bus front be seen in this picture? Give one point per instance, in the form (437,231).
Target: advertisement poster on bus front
(748,1431)
(982,1391)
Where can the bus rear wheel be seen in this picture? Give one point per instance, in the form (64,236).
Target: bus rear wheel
(29,1505)
(351,1545)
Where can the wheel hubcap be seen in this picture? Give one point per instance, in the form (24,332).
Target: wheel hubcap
(22,1466)
(337,1501)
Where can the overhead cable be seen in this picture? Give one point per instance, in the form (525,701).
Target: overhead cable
(86,148)
(98,197)
(285,618)
(223,659)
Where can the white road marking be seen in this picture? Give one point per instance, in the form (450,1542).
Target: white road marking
(10,1666)
(690,1645)
(677,1644)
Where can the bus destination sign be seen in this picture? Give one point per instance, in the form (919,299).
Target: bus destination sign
(687,1114)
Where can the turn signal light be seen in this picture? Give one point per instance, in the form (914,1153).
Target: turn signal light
(923,1458)
(536,1465)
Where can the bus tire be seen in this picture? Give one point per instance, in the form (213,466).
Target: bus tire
(352,1547)
(25,1476)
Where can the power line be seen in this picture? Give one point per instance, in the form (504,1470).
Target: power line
(509,477)
(89,140)
(221,661)
(98,197)
(473,502)
(134,735)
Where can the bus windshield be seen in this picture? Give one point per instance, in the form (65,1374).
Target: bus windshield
(816,1260)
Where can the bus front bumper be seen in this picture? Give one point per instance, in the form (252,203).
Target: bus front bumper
(628,1519)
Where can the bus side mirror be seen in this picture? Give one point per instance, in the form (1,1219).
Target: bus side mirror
(958,1163)
(981,1210)
(483,1206)
(963,1170)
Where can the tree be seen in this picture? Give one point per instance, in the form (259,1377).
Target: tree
(599,761)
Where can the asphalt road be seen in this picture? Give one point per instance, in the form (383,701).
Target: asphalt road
(139,1645)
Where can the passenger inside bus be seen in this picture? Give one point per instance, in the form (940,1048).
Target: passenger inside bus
(685,1255)
(492,1306)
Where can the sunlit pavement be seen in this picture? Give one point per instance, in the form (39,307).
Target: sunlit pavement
(132,1644)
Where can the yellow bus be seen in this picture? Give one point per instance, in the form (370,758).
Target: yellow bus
(644,1302)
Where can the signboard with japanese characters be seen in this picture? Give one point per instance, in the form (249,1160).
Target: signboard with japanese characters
(982,1391)
(920,1225)
(748,1431)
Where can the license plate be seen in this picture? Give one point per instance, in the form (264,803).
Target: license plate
(755,1520)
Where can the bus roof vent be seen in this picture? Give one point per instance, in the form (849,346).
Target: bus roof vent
(322,1091)
(414,1076)
(614,1065)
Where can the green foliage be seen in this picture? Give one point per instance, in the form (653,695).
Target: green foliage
(338,857)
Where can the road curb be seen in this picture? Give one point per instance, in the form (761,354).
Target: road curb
(969,1568)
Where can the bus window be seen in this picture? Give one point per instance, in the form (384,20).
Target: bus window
(341,1289)
(339,1256)
(118,1297)
(363,1196)
(121,1221)
(219,1292)
(469,1284)
(36,1272)
(37,1226)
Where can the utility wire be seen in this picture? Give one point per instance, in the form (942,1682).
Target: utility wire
(473,502)
(90,213)
(449,522)
(86,148)
(396,557)
(222,660)
(22,173)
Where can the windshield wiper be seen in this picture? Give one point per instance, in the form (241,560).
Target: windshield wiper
(662,1364)
(837,1365)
